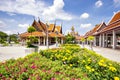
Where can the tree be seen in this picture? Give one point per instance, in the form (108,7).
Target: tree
(13,37)
(69,38)
(3,37)
(31,29)
(31,38)
(82,40)
(91,39)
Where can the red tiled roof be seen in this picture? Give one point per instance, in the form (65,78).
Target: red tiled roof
(37,26)
(95,30)
(114,22)
(91,32)
(36,33)
(42,25)
(42,28)
(53,34)
(111,26)
(58,28)
(51,27)
(115,17)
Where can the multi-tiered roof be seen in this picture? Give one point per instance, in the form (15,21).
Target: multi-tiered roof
(114,23)
(41,30)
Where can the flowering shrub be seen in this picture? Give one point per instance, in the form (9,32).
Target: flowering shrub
(97,67)
(37,67)
(70,62)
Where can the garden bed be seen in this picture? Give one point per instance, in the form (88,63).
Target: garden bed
(70,62)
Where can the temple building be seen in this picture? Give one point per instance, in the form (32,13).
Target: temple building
(75,34)
(42,29)
(107,35)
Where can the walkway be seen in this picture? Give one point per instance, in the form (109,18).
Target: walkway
(111,54)
(17,51)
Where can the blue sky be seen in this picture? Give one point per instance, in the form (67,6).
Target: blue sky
(17,15)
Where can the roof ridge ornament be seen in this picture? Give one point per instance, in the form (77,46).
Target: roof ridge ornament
(38,19)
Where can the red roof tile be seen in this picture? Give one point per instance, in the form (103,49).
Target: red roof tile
(36,33)
(51,27)
(114,22)
(58,28)
(115,17)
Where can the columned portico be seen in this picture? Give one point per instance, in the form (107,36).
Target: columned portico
(87,42)
(95,41)
(103,44)
(39,41)
(100,40)
(106,40)
(44,41)
(61,40)
(114,40)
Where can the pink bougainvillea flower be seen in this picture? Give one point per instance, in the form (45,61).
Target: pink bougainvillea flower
(49,71)
(73,79)
(24,70)
(53,79)
(33,66)
(0,75)
(57,72)
(79,79)
(29,79)
(44,70)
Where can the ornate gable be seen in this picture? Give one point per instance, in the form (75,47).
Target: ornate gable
(37,26)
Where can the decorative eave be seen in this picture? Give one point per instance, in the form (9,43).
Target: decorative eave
(114,18)
(36,33)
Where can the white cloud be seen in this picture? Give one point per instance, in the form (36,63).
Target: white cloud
(8,32)
(85,25)
(23,25)
(99,3)
(84,15)
(11,14)
(11,20)
(2,24)
(116,3)
(36,8)
(56,11)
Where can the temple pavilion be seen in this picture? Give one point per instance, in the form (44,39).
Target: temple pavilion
(107,35)
(54,31)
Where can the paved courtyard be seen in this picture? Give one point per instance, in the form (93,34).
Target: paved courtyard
(17,51)
(21,51)
(111,54)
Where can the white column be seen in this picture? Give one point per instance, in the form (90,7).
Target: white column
(103,45)
(44,41)
(56,41)
(95,41)
(114,40)
(87,42)
(100,40)
(49,41)
(106,45)
(61,40)
(39,41)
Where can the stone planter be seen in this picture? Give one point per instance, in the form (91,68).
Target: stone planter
(31,50)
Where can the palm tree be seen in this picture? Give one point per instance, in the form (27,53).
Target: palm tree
(82,40)
(91,38)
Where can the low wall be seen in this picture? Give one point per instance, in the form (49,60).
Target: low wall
(30,50)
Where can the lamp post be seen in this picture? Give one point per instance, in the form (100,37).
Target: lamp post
(47,44)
